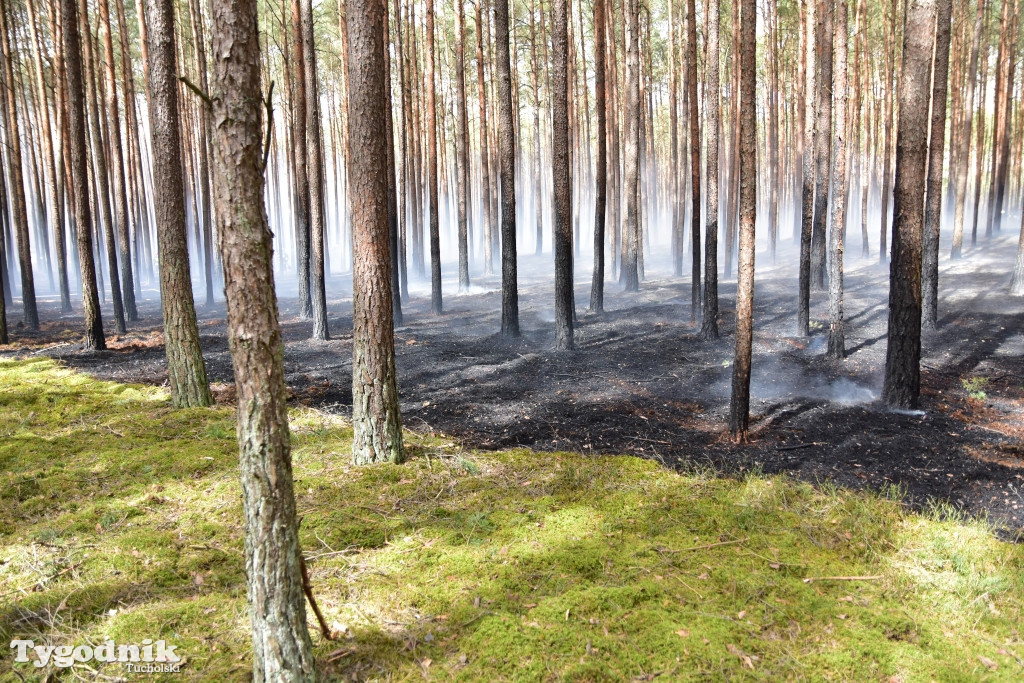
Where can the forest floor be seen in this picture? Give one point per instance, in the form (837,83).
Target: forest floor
(120,519)
(642,382)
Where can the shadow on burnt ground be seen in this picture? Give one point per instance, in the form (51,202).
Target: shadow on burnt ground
(642,382)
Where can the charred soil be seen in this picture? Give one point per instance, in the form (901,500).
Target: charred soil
(643,382)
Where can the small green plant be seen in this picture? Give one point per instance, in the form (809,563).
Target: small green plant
(975,387)
(468,466)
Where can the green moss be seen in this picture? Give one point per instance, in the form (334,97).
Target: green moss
(120,517)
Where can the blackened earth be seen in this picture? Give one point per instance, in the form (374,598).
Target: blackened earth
(641,380)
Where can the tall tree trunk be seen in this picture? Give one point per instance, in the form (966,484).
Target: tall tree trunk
(808,118)
(79,166)
(204,241)
(1003,123)
(561,173)
(902,384)
(695,197)
(143,244)
(890,75)
(1017,280)
(389,130)
(863,114)
(185,367)
(485,176)
(840,188)
(300,159)
(17,183)
(1003,76)
(376,422)
(773,132)
(712,102)
(117,162)
(733,186)
(507,170)
(979,162)
(405,188)
(3,300)
(936,154)
(739,405)
(601,172)
(282,649)
(822,139)
(315,174)
(632,112)
(462,147)
(100,174)
(436,304)
(676,224)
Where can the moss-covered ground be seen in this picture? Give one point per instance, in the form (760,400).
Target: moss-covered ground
(120,518)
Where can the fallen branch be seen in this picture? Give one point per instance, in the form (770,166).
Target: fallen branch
(812,579)
(307,588)
(798,446)
(705,547)
(689,586)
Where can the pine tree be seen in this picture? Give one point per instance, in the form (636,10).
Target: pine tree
(903,356)
(282,648)
(185,367)
(376,421)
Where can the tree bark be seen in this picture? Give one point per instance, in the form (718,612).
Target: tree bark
(282,649)
(561,173)
(462,147)
(79,187)
(739,405)
(902,384)
(822,139)
(840,188)
(809,118)
(100,173)
(315,174)
(300,157)
(774,167)
(376,422)
(936,154)
(507,170)
(185,367)
(436,303)
(538,153)
(202,151)
(117,161)
(485,176)
(601,171)
(1005,61)
(695,197)
(979,162)
(712,102)
(676,223)
(630,278)
(393,236)
(964,141)
(890,74)
(404,188)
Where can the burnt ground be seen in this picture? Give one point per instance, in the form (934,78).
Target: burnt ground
(642,382)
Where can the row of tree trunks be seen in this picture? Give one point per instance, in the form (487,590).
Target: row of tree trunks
(17,182)
(54,198)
